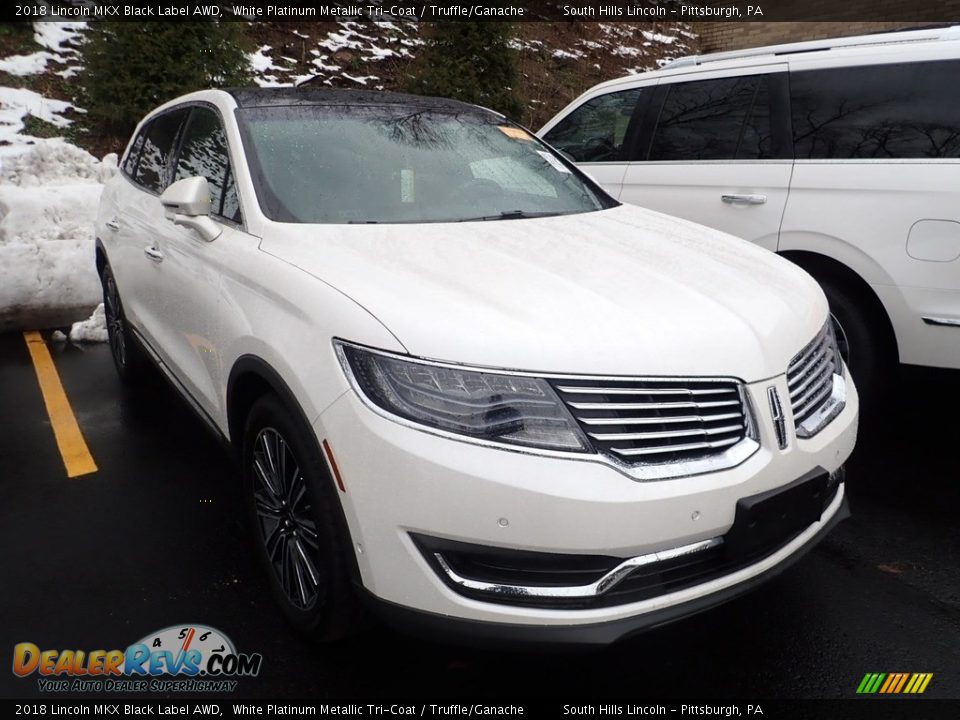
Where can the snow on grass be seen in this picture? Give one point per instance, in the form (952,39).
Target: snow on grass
(57,40)
(20,65)
(659,37)
(565,55)
(360,80)
(48,203)
(17,103)
(266,70)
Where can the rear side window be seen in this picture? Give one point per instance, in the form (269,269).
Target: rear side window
(153,170)
(203,153)
(595,131)
(723,119)
(904,110)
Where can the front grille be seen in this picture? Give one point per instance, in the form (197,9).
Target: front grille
(657,421)
(810,375)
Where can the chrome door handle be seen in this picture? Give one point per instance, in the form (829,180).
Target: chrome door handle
(153,253)
(744,199)
(113,223)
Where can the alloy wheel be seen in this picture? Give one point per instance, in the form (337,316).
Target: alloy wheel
(285,518)
(115,327)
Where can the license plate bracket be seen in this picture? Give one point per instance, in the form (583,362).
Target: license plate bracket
(768,520)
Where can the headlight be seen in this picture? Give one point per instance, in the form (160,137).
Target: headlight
(488,406)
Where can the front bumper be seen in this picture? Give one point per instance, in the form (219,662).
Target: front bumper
(469,632)
(401,482)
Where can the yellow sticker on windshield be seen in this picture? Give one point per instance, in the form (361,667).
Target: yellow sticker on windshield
(515,133)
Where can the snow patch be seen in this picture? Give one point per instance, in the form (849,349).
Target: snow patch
(55,38)
(659,37)
(20,65)
(17,103)
(91,330)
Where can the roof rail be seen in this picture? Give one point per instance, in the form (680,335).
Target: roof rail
(951,32)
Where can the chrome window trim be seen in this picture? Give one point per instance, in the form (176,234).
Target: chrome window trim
(731,457)
(595,589)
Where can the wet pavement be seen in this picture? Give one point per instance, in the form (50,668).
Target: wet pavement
(156,538)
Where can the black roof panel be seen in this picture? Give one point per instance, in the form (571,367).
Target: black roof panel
(285,96)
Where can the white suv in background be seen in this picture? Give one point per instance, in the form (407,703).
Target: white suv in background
(841,155)
(463,383)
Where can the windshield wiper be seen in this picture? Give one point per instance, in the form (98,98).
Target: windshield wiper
(511,215)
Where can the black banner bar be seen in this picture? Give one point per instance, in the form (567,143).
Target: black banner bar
(867,708)
(640,11)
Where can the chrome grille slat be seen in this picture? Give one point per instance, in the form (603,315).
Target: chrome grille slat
(635,452)
(594,422)
(611,437)
(808,365)
(810,376)
(816,376)
(804,410)
(648,391)
(656,421)
(652,406)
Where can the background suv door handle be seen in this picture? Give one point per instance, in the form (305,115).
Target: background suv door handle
(153,253)
(744,199)
(113,223)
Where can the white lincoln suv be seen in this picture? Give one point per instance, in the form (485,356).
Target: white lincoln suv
(466,387)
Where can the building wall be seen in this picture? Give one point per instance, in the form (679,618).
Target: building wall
(720,36)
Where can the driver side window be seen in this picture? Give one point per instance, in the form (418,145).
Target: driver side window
(596,130)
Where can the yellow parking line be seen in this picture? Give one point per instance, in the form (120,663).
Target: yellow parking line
(73,448)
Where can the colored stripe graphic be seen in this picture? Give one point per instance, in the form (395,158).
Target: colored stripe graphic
(894,683)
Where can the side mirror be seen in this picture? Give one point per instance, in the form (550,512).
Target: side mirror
(187,203)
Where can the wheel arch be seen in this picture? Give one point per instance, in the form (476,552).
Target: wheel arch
(824,267)
(251,377)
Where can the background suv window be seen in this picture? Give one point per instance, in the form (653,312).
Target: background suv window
(724,119)
(596,130)
(153,170)
(879,111)
(203,153)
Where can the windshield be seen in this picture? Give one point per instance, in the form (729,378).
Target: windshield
(403,164)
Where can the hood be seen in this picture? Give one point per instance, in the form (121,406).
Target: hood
(624,291)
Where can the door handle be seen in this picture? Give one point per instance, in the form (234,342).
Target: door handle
(153,253)
(744,199)
(113,223)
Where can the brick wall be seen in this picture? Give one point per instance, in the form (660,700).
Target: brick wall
(720,36)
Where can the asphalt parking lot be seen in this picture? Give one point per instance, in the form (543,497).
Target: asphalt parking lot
(155,538)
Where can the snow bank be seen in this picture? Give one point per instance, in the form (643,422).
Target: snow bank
(48,204)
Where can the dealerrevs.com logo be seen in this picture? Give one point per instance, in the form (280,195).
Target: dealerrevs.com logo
(180,658)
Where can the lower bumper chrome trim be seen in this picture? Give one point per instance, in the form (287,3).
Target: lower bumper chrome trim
(594,589)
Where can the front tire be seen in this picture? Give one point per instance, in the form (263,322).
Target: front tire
(127,355)
(299,531)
